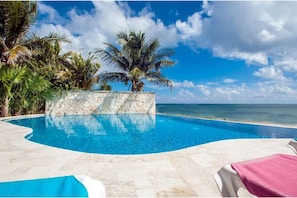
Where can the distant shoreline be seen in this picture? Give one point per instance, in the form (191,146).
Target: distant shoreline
(284,115)
(233,121)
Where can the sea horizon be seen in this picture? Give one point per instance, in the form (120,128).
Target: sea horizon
(279,114)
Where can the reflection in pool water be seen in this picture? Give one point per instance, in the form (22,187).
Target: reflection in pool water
(101,124)
(138,133)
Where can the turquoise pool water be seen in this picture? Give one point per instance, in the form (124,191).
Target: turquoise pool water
(138,134)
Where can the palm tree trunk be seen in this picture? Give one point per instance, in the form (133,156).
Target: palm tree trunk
(134,86)
(5,107)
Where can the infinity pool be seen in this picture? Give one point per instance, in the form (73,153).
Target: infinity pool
(138,133)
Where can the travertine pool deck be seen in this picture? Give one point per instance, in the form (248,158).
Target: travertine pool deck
(182,173)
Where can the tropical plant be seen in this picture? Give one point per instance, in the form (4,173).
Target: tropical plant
(47,48)
(105,87)
(31,94)
(83,71)
(137,60)
(22,91)
(47,60)
(23,82)
(9,79)
(33,68)
(15,20)
(65,71)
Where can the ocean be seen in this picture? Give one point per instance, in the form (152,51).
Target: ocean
(283,114)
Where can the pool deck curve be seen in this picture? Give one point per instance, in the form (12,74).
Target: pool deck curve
(183,173)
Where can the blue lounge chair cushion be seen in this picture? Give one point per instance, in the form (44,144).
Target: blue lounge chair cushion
(65,186)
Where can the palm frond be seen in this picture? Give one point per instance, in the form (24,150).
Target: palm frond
(164,63)
(35,41)
(111,55)
(114,77)
(122,38)
(136,73)
(3,45)
(138,58)
(17,19)
(164,53)
(152,47)
(160,81)
(16,53)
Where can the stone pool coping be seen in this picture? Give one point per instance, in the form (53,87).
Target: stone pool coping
(186,173)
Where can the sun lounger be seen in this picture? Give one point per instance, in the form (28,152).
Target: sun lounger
(293,145)
(64,186)
(229,183)
(271,176)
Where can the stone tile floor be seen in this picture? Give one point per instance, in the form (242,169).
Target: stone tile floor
(182,173)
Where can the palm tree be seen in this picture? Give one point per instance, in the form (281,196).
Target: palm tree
(23,82)
(47,60)
(83,71)
(22,91)
(47,48)
(9,79)
(31,94)
(15,20)
(138,59)
(105,87)
(65,71)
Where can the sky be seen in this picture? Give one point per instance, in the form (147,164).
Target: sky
(225,51)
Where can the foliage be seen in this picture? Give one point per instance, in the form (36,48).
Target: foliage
(137,59)
(82,71)
(31,94)
(32,68)
(105,87)
(22,90)
(47,60)
(65,71)
(15,20)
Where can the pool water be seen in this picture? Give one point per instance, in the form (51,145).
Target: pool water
(138,133)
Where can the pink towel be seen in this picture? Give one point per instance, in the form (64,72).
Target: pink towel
(270,176)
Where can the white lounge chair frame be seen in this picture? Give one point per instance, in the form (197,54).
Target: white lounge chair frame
(230,184)
(94,187)
(293,145)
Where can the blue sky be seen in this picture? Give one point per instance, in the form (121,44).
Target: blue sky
(225,52)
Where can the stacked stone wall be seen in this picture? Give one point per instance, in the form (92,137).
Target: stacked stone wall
(99,102)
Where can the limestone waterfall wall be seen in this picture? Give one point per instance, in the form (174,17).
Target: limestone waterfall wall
(101,102)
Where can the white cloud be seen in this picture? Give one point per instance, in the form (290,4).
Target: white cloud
(190,28)
(265,35)
(206,8)
(249,58)
(270,88)
(229,80)
(186,93)
(109,17)
(52,16)
(204,89)
(250,31)
(261,92)
(227,92)
(146,11)
(287,63)
(270,73)
(88,30)
(185,83)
